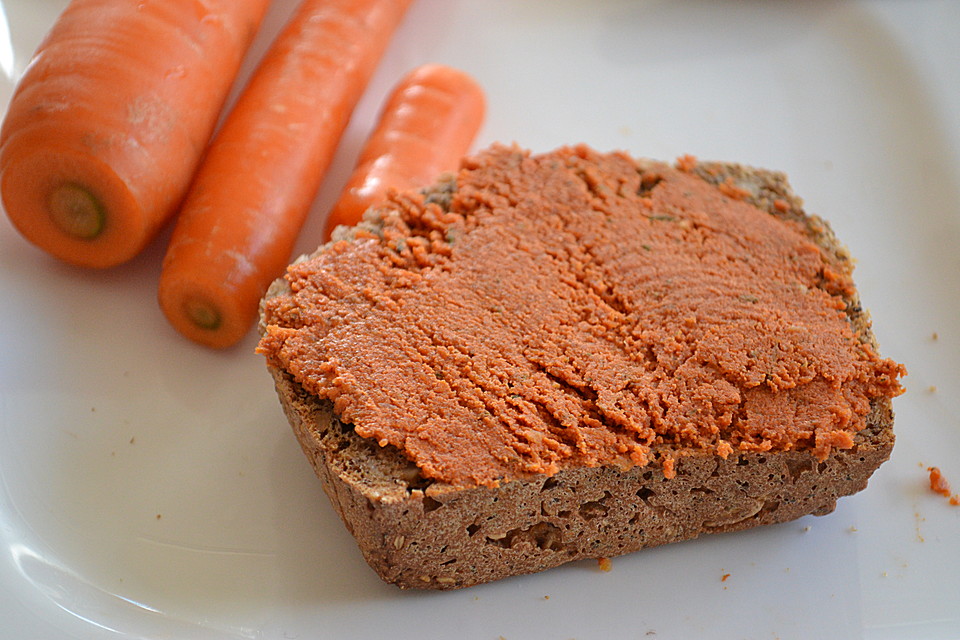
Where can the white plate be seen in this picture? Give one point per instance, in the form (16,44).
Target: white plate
(150,488)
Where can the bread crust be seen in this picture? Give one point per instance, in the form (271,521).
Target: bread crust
(416,533)
(431,536)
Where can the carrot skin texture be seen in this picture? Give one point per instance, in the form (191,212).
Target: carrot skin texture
(240,220)
(112,116)
(426,125)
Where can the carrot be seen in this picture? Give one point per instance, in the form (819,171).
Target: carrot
(426,125)
(241,218)
(109,121)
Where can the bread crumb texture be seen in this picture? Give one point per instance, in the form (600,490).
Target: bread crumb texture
(575,308)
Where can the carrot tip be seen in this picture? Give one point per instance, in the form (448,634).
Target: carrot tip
(76,211)
(203,314)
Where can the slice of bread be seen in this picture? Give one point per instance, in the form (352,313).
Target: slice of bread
(418,529)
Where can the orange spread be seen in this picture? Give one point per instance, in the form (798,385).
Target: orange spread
(939,484)
(576,308)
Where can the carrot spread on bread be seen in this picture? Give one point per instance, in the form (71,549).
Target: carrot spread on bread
(578,309)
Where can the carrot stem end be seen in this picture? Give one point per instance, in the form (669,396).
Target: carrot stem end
(76,211)
(203,315)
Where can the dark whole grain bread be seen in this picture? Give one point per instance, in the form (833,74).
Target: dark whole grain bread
(418,532)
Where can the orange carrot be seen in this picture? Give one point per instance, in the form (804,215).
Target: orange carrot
(426,125)
(109,121)
(238,225)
